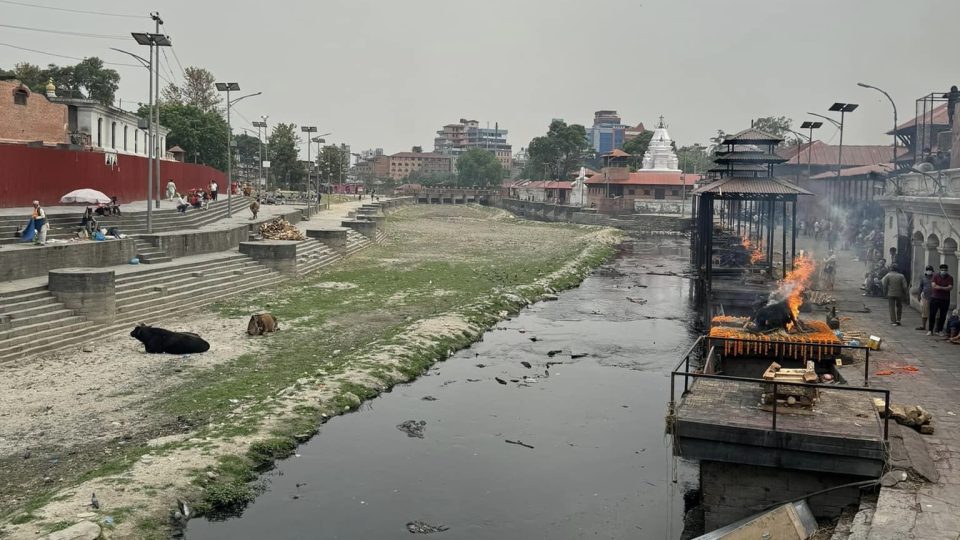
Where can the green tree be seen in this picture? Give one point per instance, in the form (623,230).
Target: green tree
(246,156)
(559,152)
(198,89)
(285,167)
(478,167)
(637,147)
(333,164)
(87,79)
(202,135)
(695,159)
(774,125)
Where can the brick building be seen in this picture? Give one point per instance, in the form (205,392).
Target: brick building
(400,165)
(455,139)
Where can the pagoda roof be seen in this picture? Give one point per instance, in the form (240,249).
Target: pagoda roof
(749,157)
(739,187)
(616,152)
(752,136)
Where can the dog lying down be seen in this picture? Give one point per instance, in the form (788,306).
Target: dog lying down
(159,340)
(262,323)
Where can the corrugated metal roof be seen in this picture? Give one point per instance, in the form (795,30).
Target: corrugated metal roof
(649,178)
(820,153)
(937,116)
(752,136)
(749,157)
(752,186)
(855,171)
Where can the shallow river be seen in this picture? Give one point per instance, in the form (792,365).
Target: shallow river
(599,466)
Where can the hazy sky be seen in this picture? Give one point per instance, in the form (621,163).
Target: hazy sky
(389,73)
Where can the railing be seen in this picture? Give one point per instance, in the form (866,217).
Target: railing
(704,341)
(80,139)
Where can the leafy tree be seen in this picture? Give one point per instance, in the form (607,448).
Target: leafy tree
(478,167)
(285,166)
(333,163)
(774,125)
(198,89)
(559,152)
(637,147)
(431,179)
(246,154)
(86,79)
(694,159)
(202,135)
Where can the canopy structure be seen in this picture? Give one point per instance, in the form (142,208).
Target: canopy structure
(85,196)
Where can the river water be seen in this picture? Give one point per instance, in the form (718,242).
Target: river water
(600,466)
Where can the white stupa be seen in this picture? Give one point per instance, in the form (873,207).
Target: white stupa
(660,155)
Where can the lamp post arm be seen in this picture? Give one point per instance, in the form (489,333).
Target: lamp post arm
(232,103)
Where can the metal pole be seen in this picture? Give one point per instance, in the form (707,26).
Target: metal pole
(229,159)
(840,151)
(259,157)
(809,150)
(156,89)
(150,148)
(307,198)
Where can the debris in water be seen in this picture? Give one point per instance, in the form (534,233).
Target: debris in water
(514,380)
(553,353)
(413,428)
(551,364)
(640,301)
(481,365)
(519,443)
(428,398)
(534,338)
(526,364)
(499,380)
(421,527)
(474,380)
(577,355)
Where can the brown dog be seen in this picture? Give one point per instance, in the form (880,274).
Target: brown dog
(262,323)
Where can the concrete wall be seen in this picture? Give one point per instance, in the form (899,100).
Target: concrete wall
(38,120)
(32,262)
(731,492)
(650,223)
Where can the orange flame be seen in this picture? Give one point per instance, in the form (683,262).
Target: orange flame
(756,253)
(796,282)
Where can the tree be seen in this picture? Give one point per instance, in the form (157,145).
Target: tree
(559,152)
(202,135)
(285,166)
(695,159)
(774,125)
(478,167)
(246,155)
(198,89)
(87,79)
(637,147)
(333,164)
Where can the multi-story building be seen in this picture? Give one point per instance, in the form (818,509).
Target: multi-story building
(400,165)
(608,131)
(455,139)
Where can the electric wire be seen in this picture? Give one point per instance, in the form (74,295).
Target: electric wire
(177,58)
(65,32)
(167,61)
(65,56)
(68,10)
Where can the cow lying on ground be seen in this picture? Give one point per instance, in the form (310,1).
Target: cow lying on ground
(159,340)
(262,323)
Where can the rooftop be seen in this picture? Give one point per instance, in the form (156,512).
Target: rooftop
(820,153)
(752,186)
(648,178)
(751,136)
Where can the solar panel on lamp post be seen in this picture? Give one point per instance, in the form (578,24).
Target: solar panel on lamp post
(842,108)
(811,126)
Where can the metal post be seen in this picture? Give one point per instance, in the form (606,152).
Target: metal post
(793,233)
(866,368)
(229,159)
(783,242)
(156,90)
(839,152)
(809,151)
(150,147)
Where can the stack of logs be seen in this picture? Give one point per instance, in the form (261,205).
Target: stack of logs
(280,229)
(913,416)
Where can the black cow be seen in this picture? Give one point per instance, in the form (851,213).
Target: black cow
(773,317)
(159,340)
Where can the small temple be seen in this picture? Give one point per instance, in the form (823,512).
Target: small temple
(660,155)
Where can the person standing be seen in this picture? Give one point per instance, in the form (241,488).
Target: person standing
(942,285)
(924,290)
(829,271)
(213,189)
(40,225)
(896,288)
(816,230)
(171,189)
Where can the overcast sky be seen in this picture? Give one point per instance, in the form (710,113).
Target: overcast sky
(389,73)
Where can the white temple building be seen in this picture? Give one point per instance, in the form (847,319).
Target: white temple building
(660,155)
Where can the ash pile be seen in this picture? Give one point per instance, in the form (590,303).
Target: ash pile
(280,229)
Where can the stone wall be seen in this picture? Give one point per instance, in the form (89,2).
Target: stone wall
(37,120)
(20,263)
(639,223)
(731,492)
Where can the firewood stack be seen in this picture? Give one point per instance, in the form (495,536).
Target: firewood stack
(280,229)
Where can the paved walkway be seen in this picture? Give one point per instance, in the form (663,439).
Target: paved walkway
(927,511)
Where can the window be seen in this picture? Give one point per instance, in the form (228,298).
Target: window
(136,142)
(124,138)
(20,96)
(100,132)
(113,135)
(675,192)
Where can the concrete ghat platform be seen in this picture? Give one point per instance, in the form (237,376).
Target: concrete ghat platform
(720,420)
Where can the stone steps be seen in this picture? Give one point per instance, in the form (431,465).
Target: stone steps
(49,340)
(149,253)
(313,255)
(26,333)
(162,275)
(164,285)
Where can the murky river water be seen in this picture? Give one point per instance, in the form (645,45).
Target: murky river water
(599,467)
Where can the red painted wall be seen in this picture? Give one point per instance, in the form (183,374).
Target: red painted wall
(46,174)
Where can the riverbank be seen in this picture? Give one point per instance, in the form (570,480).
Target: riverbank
(198,428)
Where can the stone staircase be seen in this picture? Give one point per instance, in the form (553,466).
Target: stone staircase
(356,242)
(149,253)
(32,320)
(313,254)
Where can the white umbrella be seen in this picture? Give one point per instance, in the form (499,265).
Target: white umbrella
(87,196)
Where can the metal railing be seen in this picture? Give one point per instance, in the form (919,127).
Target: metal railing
(705,340)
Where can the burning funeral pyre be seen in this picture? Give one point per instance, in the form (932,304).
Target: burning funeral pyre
(776,329)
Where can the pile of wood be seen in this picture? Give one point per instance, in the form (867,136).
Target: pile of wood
(788,394)
(913,416)
(280,229)
(820,298)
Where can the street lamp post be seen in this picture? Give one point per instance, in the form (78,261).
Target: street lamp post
(154,41)
(894,105)
(811,126)
(308,130)
(231,87)
(260,180)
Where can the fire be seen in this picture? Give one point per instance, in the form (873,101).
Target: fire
(756,253)
(796,282)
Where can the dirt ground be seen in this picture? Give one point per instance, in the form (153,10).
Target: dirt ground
(74,422)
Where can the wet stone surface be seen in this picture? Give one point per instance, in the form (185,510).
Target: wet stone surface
(570,447)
